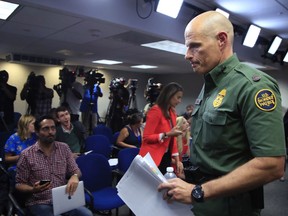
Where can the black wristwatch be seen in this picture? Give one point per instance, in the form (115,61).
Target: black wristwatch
(197,194)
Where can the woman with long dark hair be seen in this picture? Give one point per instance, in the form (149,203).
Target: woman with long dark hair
(160,132)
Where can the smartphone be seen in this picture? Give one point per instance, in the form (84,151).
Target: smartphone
(42,182)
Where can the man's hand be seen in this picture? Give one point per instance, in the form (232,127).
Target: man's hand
(39,188)
(72,185)
(176,189)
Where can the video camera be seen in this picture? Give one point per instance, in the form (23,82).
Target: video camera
(152,90)
(93,77)
(67,78)
(133,85)
(116,84)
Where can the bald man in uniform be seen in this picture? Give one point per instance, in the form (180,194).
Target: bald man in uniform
(238,135)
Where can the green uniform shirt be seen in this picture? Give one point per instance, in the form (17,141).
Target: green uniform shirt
(237,116)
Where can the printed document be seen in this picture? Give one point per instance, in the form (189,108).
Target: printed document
(138,189)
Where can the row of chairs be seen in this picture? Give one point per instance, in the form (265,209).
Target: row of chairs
(98,176)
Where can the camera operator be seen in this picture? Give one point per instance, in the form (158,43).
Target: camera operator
(37,95)
(70,92)
(89,104)
(7,98)
(119,97)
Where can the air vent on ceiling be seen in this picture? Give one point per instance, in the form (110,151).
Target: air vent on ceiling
(36,60)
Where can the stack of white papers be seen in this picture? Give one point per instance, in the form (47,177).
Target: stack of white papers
(138,189)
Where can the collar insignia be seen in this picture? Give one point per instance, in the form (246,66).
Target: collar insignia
(198,101)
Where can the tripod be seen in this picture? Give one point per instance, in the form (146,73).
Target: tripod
(132,103)
(115,112)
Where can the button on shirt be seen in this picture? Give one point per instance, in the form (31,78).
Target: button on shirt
(34,166)
(228,128)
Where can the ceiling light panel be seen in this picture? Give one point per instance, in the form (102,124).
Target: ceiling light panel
(169,7)
(251,36)
(6,9)
(107,62)
(275,45)
(168,46)
(144,66)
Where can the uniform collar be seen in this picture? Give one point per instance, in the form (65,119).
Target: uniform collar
(217,73)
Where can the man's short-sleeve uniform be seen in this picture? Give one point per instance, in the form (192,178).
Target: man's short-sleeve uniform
(237,116)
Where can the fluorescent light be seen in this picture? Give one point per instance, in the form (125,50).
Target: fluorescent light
(251,36)
(6,9)
(107,62)
(286,58)
(169,7)
(168,46)
(226,14)
(144,66)
(275,45)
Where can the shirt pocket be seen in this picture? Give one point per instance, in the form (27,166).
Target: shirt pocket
(214,123)
(60,168)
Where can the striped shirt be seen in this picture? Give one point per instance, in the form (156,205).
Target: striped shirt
(34,166)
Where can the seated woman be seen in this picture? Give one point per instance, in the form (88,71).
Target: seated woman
(130,135)
(184,139)
(17,142)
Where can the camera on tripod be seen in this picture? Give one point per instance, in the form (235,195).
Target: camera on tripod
(133,85)
(67,78)
(93,77)
(152,90)
(116,84)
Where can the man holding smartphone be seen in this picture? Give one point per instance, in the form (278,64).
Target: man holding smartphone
(44,166)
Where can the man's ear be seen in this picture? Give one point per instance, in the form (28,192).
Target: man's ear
(222,37)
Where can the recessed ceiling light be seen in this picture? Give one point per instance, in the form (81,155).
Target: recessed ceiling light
(107,62)
(168,46)
(286,58)
(275,45)
(6,9)
(251,36)
(144,66)
(169,8)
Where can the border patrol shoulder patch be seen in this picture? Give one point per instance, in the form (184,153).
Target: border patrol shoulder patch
(265,100)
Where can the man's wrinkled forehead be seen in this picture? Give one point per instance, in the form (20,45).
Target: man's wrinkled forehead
(46,122)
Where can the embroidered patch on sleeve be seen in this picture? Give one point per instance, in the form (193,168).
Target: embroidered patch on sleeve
(265,100)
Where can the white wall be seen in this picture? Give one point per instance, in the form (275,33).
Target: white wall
(18,74)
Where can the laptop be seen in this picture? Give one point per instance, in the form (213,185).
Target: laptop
(62,202)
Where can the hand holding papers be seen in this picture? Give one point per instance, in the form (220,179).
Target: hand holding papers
(138,189)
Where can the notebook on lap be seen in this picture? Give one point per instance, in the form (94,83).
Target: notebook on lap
(62,202)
